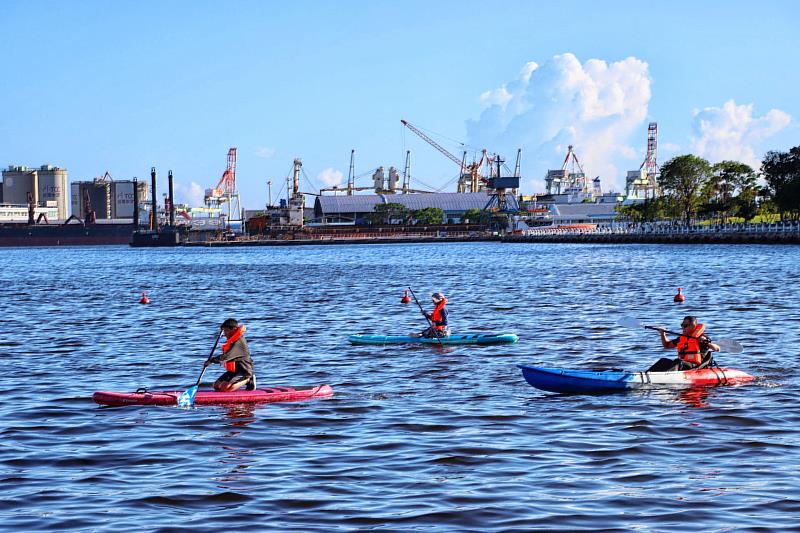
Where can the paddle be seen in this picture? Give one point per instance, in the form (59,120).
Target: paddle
(725,345)
(186,399)
(425,315)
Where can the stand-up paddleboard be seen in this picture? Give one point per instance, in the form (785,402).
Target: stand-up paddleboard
(466,338)
(210,397)
(564,380)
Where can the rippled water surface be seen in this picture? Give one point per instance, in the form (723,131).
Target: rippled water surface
(415,438)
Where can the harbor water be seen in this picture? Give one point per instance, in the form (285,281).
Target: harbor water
(416,438)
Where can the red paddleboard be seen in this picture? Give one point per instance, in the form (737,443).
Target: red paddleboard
(210,397)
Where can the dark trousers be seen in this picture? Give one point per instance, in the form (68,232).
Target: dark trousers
(666,364)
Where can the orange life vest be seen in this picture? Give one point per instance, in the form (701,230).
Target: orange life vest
(436,316)
(230,366)
(688,348)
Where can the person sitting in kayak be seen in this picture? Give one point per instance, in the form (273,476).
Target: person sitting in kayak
(693,346)
(235,358)
(438,318)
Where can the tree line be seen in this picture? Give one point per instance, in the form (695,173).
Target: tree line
(693,188)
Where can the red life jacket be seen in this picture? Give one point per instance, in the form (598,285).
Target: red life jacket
(436,316)
(230,366)
(688,348)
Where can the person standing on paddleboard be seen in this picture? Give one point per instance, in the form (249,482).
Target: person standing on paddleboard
(235,358)
(694,348)
(438,318)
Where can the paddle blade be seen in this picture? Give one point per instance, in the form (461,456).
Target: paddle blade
(186,399)
(729,345)
(630,322)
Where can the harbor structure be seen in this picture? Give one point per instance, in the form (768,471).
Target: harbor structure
(333,209)
(47,186)
(226,192)
(108,198)
(571,179)
(641,184)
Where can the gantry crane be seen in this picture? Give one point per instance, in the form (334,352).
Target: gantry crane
(470,179)
(225,191)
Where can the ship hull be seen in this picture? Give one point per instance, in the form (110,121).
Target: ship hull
(64,235)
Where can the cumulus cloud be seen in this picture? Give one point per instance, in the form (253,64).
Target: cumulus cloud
(595,106)
(192,194)
(330,177)
(731,132)
(264,152)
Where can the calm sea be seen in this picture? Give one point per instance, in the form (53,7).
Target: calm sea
(415,438)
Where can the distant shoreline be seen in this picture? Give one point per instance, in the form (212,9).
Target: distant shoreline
(575,238)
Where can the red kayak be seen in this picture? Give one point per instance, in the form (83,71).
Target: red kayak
(210,397)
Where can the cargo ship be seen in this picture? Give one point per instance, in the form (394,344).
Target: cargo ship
(69,234)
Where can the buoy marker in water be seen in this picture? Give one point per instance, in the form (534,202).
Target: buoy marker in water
(145,299)
(406,299)
(679,297)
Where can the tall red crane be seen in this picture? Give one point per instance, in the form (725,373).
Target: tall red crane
(225,191)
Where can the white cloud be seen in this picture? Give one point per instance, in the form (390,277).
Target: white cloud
(192,194)
(264,152)
(330,177)
(595,106)
(733,133)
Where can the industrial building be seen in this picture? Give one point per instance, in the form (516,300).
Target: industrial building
(47,186)
(331,209)
(108,198)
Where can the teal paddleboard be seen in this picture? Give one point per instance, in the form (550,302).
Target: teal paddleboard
(465,338)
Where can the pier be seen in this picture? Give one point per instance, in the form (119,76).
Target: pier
(762,233)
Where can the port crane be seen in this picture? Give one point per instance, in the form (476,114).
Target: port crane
(470,179)
(225,191)
(385,187)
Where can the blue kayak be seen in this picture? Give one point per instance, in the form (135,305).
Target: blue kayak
(587,381)
(466,338)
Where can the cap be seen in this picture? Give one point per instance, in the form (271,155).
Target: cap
(438,296)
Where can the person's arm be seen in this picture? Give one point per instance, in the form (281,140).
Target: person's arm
(666,343)
(710,345)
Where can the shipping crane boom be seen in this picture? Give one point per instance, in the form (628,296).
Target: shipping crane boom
(433,143)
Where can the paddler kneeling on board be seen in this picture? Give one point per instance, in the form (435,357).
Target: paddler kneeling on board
(694,348)
(438,318)
(235,358)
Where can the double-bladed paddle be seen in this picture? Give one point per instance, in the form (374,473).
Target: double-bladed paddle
(425,315)
(186,399)
(725,345)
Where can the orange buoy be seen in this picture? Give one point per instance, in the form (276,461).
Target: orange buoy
(679,297)
(406,299)
(145,299)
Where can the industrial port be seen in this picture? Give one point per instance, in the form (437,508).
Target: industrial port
(39,207)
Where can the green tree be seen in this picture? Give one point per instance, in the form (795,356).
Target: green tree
(728,180)
(428,216)
(473,215)
(389,213)
(781,172)
(650,210)
(683,178)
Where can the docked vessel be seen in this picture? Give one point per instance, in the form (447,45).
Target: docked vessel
(65,234)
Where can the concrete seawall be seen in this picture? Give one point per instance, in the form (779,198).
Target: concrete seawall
(309,242)
(662,238)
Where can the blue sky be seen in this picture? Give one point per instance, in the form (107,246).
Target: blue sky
(123,86)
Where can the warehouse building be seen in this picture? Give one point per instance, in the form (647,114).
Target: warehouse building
(333,209)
